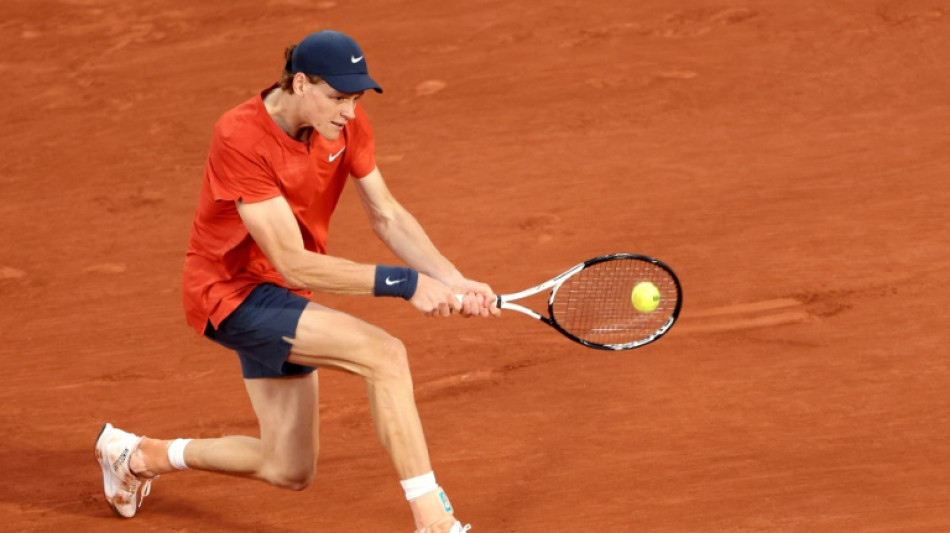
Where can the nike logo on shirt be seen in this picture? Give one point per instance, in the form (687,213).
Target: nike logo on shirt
(336,155)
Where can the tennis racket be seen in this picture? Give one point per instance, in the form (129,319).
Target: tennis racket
(591,302)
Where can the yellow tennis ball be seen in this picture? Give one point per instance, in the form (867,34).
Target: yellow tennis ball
(645,297)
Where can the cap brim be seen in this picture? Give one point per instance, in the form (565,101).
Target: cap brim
(352,83)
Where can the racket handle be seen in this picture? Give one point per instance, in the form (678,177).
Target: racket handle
(497,299)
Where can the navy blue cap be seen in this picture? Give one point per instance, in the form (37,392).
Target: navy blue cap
(334,57)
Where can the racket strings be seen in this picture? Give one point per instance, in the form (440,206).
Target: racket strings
(595,304)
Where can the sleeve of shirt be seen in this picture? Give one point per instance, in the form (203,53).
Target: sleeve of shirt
(363,156)
(238,173)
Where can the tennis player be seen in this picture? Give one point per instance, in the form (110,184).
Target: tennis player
(275,170)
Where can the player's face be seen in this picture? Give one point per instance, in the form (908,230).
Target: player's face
(328,110)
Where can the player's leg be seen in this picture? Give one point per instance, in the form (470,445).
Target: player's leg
(320,337)
(285,454)
(331,339)
(282,394)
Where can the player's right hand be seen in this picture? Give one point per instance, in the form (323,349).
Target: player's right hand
(434,298)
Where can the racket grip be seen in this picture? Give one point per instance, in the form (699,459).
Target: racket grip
(497,300)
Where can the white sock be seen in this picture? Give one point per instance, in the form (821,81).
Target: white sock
(176,453)
(419,485)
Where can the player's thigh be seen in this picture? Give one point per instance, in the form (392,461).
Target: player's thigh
(329,338)
(285,409)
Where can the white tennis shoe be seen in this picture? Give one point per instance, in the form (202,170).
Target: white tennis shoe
(124,490)
(433,513)
(457,527)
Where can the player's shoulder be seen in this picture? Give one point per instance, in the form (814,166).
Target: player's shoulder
(241,125)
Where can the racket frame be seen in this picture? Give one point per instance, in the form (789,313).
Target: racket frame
(503,301)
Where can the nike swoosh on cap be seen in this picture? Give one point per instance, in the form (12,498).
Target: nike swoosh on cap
(356,59)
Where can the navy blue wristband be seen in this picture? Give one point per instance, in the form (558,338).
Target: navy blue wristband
(395,281)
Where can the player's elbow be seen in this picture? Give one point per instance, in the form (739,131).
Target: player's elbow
(292,280)
(381,222)
(290,266)
(389,222)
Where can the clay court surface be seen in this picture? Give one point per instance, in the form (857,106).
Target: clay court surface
(789,159)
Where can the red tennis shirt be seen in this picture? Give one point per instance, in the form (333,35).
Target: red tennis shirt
(251,159)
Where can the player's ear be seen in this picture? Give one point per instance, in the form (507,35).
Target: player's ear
(299,82)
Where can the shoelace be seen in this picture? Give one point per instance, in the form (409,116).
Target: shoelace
(146,489)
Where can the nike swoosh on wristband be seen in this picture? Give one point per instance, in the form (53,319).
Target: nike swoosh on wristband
(336,155)
(356,59)
(394,281)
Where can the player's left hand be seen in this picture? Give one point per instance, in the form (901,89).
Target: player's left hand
(478,299)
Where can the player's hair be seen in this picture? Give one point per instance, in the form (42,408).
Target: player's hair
(287,77)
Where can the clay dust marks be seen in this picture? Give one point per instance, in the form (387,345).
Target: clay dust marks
(436,389)
(474,379)
(106,268)
(900,15)
(131,377)
(430,87)
(8,272)
(698,22)
(761,314)
(752,307)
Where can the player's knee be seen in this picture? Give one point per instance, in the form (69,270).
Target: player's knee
(296,478)
(391,361)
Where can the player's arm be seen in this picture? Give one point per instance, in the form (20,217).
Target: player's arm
(273,227)
(403,234)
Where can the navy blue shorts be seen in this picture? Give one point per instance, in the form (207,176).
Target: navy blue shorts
(255,330)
